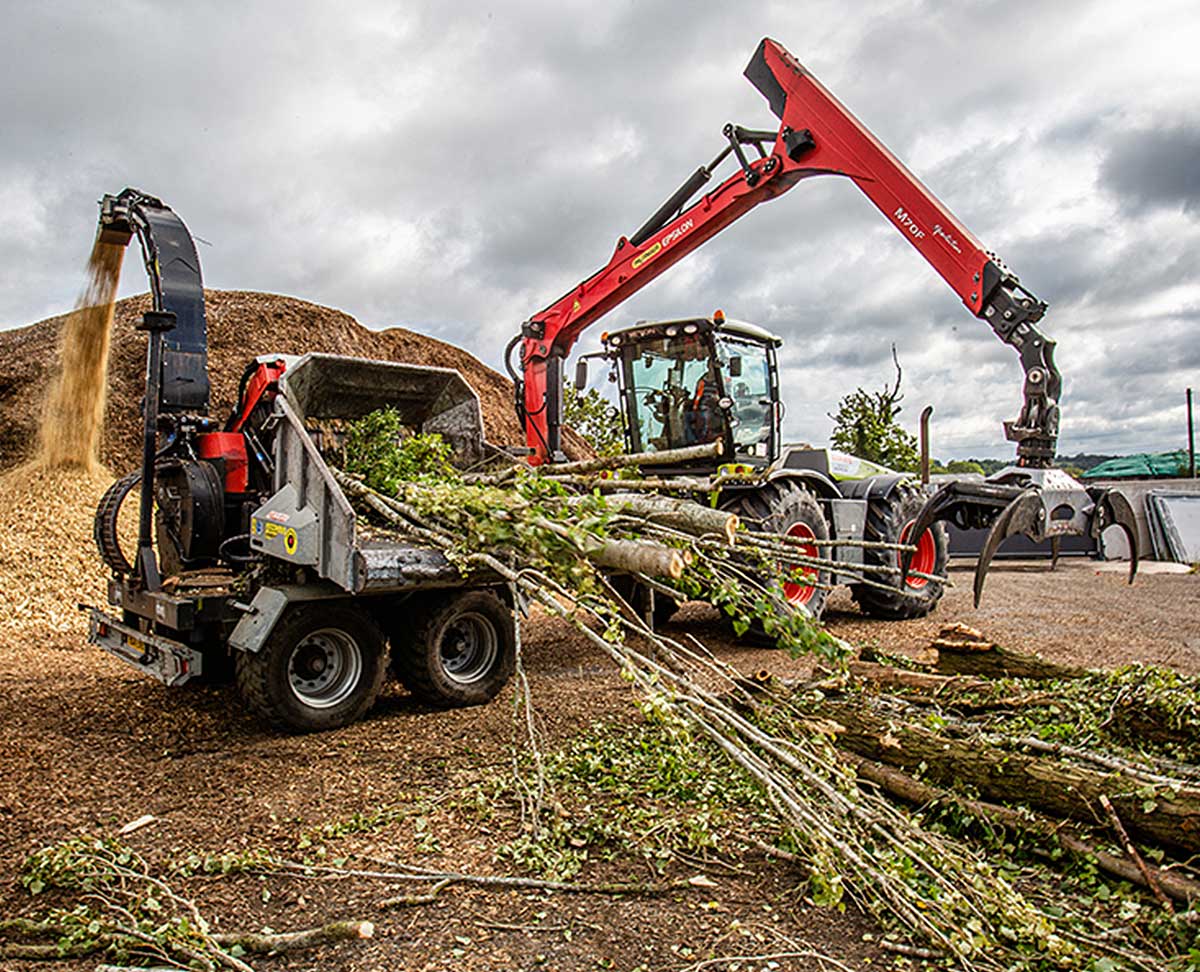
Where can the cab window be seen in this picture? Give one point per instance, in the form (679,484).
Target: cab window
(673,393)
(747,374)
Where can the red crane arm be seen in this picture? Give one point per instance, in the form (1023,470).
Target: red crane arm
(817,135)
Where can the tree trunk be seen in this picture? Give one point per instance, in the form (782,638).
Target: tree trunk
(682,514)
(1054,787)
(911,790)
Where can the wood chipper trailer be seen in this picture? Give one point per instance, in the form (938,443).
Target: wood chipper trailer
(250,561)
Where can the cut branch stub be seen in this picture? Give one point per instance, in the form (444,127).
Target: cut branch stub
(964,651)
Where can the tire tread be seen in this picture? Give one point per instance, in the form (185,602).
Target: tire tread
(885,519)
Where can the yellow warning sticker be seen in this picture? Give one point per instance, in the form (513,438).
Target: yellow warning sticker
(289,541)
(649,254)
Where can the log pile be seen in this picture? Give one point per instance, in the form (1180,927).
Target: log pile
(976,728)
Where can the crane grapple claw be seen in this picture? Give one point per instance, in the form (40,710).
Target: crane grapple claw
(1026,514)
(1113,509)
(1042,504)
(968,505)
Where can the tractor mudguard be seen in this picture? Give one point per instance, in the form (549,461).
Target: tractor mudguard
(873,486)
(815,482)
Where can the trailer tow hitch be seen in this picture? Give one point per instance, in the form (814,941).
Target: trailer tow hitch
(1042,504)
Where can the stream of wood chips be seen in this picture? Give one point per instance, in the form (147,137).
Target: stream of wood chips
(74,412)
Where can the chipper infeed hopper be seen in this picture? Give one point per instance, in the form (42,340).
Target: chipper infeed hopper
(308,522)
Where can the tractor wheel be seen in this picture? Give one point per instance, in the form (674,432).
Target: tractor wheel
(457,650)
(321,668)
(791,511)
(890,519)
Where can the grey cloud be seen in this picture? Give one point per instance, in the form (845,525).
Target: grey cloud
(1155,167)
(454,170)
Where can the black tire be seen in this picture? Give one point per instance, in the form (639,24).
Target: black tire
(321,668)
(457,649)
(786,508)
(888,520)
(636,596)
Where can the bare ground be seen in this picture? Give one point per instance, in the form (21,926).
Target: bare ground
(88,745)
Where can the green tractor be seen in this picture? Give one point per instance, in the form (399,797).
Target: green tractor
(705,380)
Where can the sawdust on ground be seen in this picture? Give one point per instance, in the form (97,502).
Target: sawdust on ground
(48,563)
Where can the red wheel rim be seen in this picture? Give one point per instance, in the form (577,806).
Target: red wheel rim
(801,593)
(924,560)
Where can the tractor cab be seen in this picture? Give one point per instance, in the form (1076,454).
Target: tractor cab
(699,380)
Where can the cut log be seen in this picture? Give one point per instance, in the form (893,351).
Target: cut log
(1172,820)
(639,557)
(633,556)
(708,450)
(682,514)
(962,650)
(885,676)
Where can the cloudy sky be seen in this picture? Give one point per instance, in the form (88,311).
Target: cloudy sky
(453,168)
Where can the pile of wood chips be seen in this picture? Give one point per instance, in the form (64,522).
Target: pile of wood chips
(48,562)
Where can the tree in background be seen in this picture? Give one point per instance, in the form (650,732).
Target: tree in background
(956,467)
(865,426)
(595,418)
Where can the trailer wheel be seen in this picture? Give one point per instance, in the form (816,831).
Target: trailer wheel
(889,519)
(457,650)
(321,668)
(792,511)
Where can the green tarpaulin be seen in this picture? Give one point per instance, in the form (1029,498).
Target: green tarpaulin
(1142,466)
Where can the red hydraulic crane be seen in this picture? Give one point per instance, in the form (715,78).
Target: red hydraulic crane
(817,135)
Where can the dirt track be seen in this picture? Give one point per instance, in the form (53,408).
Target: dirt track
(89,744)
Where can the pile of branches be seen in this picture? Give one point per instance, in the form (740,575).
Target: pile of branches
(864,767)
(113,904)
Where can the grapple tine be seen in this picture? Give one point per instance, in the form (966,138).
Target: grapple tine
(1113,509)
(931,512)
(1055,550)
(1022,515)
